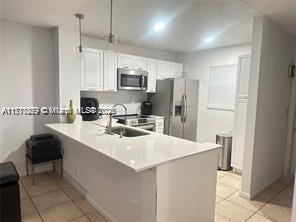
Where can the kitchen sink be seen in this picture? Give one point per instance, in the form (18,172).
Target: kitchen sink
(127,132)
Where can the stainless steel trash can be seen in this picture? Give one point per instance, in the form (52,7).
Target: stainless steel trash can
(224,159)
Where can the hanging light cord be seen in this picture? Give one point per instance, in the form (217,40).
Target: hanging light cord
(111,21)
(80,17)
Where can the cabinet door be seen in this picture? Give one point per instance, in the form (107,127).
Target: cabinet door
(175,69)
(152,72)
(125,61)
(110,71)
(243,75)
(239,130)
(92,70)
(140,63)
(162,69)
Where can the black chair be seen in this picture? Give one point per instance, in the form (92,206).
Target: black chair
(10,209)
(43,148)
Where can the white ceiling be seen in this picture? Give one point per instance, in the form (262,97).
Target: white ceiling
(189,22)
(281,11)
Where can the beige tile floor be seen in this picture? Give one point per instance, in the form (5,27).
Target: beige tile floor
(272,205)
(53,199)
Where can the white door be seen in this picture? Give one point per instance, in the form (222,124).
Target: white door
(152,72)
(110,71)
(239,131)
(140,63)
(92,70)
(244,63)
(163,69)
(125,61)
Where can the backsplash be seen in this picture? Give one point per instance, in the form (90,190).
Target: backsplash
(131,99)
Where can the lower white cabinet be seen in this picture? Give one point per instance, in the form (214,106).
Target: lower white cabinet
(152,75)
(159,125)
(110,71)
(239,131)
(92,70)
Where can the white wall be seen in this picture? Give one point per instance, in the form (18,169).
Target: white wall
(26,80)
(196,64)
(268,102)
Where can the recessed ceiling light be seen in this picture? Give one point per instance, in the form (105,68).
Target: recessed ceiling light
(159,26)
(209,39)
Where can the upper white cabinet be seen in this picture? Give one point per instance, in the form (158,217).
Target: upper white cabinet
(125,61)
(163,70)
(243,76)
(152,74)
(110,71)
(140,63)
(92,70)
(175,69)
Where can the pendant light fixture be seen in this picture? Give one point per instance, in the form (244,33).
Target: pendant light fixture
(110,40)
(80,17)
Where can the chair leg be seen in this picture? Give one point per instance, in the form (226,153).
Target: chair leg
(27,168)
(33,174)
(62,163)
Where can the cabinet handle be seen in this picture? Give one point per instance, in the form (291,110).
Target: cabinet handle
(125,67)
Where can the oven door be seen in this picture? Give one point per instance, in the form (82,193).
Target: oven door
(132,79)
(149,127)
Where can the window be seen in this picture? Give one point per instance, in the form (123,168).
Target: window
(222,85)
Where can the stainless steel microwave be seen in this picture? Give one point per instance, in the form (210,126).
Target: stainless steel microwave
(130,79)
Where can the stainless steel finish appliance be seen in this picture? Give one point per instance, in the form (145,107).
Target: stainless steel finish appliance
(139,121)
(132,79)
(177,100)
(224,159)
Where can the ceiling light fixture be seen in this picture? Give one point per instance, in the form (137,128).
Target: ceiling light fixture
(80,17)
(110,40)
(209,39)
(159,26)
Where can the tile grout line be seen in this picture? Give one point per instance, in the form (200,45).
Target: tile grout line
(29,197)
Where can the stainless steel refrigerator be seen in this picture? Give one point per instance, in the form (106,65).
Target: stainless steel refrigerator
(177,100)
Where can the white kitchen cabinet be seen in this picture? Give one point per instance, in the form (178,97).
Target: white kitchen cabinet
(92,70)
(110,71)
(140,63)
(152,75)
(125,61)
(239,130)
(163,71)
(175,69)
(243,76)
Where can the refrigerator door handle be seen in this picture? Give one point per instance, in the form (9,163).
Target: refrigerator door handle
(185,106)
(183,109)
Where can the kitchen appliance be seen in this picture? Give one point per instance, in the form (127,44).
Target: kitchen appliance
(146,108)
(130,79)
(89,109)
(139,121)
(177,100)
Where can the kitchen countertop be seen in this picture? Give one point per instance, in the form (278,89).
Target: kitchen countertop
(139,153)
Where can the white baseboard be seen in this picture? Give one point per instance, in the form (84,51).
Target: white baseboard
(245,195)
(84,193)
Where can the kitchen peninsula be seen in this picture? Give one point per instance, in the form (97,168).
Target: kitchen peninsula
(148,178)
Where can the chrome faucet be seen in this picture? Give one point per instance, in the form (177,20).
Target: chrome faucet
(109,125)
